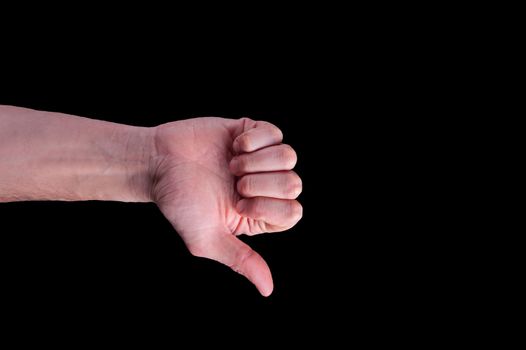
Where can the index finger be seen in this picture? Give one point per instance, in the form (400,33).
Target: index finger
(263,134)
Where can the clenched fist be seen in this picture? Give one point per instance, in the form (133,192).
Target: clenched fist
(218,178)
(212,178)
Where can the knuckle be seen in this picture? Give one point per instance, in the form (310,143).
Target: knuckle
(288,155)
(240,259)
(293,186)
(276,132)
(296,211)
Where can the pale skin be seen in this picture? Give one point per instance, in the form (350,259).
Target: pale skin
(213,178)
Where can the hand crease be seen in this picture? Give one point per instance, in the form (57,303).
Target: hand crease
(241,261)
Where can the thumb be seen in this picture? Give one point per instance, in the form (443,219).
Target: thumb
(232,252)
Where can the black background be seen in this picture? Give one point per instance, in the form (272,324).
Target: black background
(370,100)
(350,264)
(125,261)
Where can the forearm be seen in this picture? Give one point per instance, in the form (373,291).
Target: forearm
(53,156)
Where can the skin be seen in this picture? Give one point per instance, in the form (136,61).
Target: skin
(213,178)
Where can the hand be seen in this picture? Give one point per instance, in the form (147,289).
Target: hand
(217,178)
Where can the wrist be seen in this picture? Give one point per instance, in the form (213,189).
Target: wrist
(140,163)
